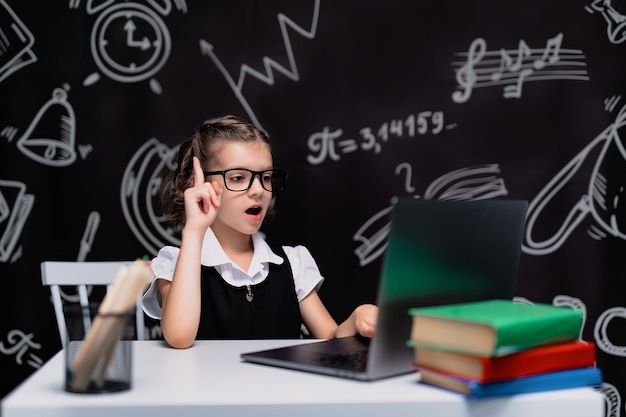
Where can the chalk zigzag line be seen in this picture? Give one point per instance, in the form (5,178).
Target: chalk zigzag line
(292,73)
(270,65)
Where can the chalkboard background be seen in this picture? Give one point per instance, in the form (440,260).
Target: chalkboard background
(363,102)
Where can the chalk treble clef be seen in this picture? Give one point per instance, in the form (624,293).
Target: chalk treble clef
(466,76)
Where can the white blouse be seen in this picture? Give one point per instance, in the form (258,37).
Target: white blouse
(306,274)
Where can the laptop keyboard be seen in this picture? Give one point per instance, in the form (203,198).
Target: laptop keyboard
(355,361)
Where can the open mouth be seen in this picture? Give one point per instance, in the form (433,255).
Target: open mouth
(254,210)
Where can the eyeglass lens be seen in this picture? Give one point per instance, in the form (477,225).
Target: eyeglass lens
(241,179)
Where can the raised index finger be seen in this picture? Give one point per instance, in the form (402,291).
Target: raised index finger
(198,172)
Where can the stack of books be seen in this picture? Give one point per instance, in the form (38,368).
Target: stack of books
(502,347)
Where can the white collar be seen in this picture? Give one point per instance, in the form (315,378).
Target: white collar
(213,254)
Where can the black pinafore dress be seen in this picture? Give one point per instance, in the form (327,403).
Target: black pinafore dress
(272,313)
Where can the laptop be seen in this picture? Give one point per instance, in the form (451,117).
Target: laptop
(438,252)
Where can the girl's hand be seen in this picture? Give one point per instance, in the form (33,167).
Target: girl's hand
(202,200)
(366,316)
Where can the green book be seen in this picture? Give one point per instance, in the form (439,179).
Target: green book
(493,327)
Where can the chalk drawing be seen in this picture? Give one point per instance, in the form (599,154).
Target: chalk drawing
(270,65)
(512,68)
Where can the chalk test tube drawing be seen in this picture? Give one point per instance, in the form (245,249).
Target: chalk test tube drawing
(270,65)
(512,68)
(89,235)
(16,42)
(15,207)
(86,242)
(130,42)
(50,138)
(602,199)
(140,194)
(471,183)
(616,21)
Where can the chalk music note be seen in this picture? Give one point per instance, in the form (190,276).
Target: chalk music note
(515,90)
(505,62)
(466,76)
(550,53)
(513,67)
(508,64)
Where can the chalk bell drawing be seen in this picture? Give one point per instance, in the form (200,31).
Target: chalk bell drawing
(51,136)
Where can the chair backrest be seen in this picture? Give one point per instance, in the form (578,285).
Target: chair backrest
(82,274)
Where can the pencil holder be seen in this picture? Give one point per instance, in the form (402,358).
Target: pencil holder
(98,359)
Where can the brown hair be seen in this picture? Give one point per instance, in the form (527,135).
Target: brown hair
(206,143)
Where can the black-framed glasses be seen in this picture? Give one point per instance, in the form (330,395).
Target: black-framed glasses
(241,179)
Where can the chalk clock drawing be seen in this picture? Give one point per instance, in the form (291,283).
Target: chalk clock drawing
(603,199)
(130,42)
(269,64)
(16,42)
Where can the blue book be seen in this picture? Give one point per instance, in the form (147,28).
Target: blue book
(571,378)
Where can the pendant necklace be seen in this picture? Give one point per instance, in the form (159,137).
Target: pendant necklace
(249,295)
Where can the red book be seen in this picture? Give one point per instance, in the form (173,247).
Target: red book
(537,360)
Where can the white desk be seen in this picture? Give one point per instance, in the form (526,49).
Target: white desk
(210,379)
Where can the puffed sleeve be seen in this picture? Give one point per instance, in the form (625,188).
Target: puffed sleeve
(163,268)
(306,273)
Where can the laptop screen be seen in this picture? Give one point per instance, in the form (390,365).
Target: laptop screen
(443,252)
(438,252)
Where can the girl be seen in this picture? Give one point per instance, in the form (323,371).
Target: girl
(225,280)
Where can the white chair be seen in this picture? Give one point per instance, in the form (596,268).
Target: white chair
(82,274)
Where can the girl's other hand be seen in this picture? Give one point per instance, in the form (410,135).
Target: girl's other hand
(366,316)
